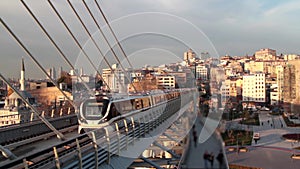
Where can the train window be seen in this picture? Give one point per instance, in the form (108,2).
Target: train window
(138,104)
(146,102)
(124,106)
(93,110)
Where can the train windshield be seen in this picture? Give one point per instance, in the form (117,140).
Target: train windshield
(94,110)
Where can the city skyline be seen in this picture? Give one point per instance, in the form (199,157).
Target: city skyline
(234,28)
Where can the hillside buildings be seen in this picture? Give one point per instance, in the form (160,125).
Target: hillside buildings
(16,111)
(265,54)
(264,80)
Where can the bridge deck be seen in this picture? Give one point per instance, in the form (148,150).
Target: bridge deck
(194,157)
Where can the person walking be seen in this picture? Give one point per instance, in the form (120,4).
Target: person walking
(195,137)
(220,159)
(205,158)
(211,159)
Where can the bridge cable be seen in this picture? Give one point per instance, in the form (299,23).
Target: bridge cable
(106,40)
(117,41)
(93,40)
(77,42)
(34,59)
(55,45)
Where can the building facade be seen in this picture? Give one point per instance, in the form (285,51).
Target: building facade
(165,81)
(254,88)
(265,54)
(291,87)
(201,72)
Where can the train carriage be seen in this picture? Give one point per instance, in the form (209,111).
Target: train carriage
(103,110)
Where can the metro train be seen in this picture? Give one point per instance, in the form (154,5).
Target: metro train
(103,109)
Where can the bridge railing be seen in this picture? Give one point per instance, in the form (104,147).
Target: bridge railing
(91,149)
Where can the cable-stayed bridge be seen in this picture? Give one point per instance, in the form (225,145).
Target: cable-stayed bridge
(116,145)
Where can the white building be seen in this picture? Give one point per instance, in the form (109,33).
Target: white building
(201,72)
(165,81)
(115,79)
(274,95)
(254,88)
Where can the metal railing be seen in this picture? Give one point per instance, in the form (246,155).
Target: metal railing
(97,147)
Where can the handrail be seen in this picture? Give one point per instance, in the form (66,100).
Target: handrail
(108,144)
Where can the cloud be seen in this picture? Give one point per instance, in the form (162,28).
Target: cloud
(235,27)
(283,9)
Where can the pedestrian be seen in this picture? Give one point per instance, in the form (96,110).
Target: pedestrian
(195,138)
(205,158)
(220,159)
(211,159)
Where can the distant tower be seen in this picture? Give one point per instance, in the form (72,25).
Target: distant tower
(49,72)
(53,73)
(22,80)
(60,72)
(81,71)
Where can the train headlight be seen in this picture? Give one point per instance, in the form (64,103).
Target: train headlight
(102,121)
(82,120)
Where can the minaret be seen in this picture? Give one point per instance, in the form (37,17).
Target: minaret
(22,80)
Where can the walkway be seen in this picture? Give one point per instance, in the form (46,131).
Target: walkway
(271,151)
(194,159)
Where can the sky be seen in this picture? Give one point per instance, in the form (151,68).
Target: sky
(152,32)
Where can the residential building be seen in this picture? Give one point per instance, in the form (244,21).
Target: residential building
(291,87)
(39,85)
(189,55)
(115,79)
(280,83)
(274,95)
(254,88)
(201,72)
(288,57)
(165,81)
(265,54)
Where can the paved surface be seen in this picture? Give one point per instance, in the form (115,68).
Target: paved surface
(271,151)
(264,157)
(195,155)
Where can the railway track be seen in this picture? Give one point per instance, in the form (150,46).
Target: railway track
(20,133)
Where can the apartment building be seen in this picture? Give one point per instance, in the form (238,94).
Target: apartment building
(254,88)
(265,54)
(165,81)
(291,87)
(201,72)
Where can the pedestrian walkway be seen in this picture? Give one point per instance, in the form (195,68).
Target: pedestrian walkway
(213,145)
